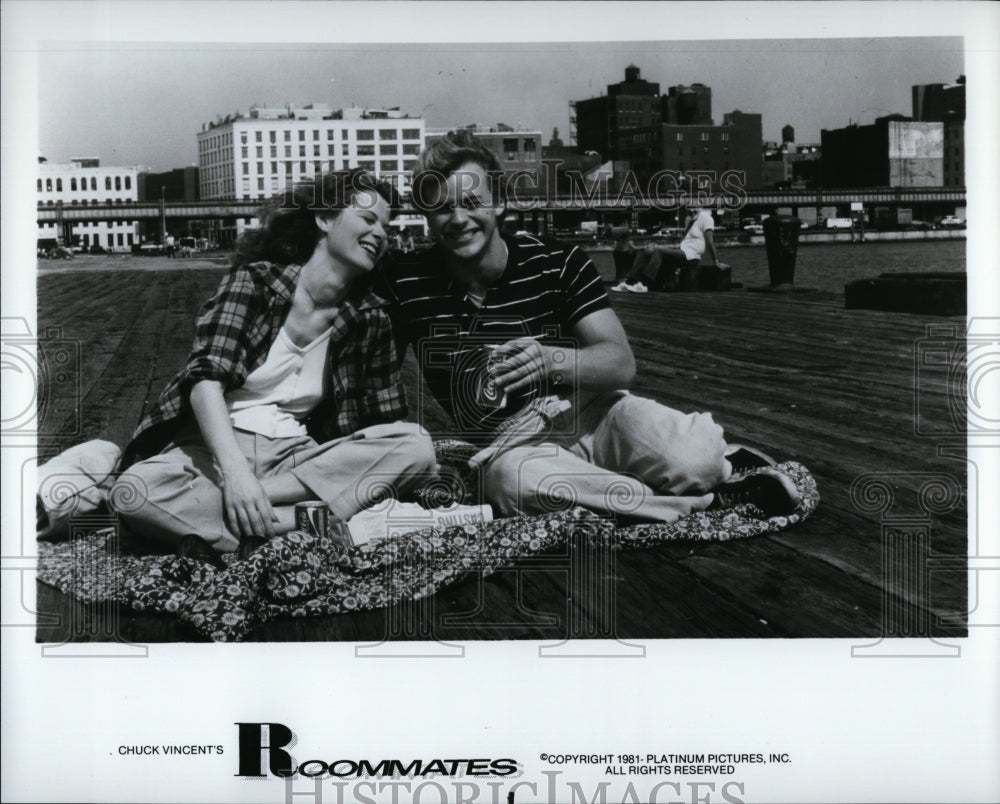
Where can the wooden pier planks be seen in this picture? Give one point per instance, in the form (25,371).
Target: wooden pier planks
(795,374)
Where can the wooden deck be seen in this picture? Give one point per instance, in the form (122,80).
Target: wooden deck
(796,374)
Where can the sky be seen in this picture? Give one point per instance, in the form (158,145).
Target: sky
(131,103)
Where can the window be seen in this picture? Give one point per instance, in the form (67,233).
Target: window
(107,182)
(58,185)
(302,135)
(703,136)
(510,149)
(388,150)
(243,138)
(364,164)
(118,183)
(288,151)
(260,184)
(274,167)
(260,151)
(725,136)
(258,136)
(366,134)
(316,150)
(72,185)
(387,134)
(366,150)
(245,153)
(260,167)
(679,136)
(331,150)
(411,149)
(529,150)
(246,168)
(128,182)
(273,136)
(343,134)
(302,167)
(302,150)
(315,134)
(387,164)
(411,133)
(408,164)
(274,151)
(40,185)
(288,135)
(93,183)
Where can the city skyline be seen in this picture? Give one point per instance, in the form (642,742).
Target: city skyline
(156,97)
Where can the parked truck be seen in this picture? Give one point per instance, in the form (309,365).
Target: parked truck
(893,217)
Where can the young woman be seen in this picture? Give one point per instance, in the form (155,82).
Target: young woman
(291,391)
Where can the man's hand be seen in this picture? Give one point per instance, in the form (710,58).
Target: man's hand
(521,364)
(247,508)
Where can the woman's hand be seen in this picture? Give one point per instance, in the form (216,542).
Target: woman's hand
(246,506)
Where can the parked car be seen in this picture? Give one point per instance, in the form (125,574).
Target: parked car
(754,229)
(952,221)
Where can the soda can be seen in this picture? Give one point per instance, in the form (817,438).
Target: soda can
(487,393)
(313,516)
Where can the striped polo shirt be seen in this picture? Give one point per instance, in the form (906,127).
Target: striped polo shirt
(546,288)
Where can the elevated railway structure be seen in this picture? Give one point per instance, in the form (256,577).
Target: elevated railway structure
(539,209)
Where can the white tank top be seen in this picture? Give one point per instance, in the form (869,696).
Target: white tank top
(283,391)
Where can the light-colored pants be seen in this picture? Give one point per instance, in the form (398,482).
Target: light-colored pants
(177,492)
(629,456)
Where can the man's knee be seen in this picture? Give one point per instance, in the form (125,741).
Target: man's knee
(671,451)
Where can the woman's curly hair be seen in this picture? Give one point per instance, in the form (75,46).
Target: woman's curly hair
(288,233)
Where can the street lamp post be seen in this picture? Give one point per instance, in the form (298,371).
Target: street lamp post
(163,215)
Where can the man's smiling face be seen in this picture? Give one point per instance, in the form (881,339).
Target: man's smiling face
(463,214)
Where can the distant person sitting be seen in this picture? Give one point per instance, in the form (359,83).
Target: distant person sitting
(661,267)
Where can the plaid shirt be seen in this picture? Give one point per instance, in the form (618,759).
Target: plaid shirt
(234,333)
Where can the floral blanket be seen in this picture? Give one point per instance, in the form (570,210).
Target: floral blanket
(299,575)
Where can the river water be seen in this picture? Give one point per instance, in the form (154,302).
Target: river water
(830,266)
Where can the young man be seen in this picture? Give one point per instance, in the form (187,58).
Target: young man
(661,266)
(517,340)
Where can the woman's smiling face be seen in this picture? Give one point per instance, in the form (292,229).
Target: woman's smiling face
(356,237)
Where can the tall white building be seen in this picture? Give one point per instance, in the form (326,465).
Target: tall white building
(83,182)
(258,155)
